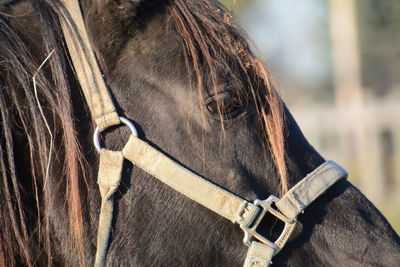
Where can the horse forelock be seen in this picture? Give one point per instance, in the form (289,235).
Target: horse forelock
(25,123)
(211,38)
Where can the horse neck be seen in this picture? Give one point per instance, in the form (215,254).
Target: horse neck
(301,157)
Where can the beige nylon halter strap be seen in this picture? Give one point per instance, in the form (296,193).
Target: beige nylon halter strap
(86,67)
(247,215)
(188,183)
(103,112)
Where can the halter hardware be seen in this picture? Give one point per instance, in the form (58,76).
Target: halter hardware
(124,120)
(250,232)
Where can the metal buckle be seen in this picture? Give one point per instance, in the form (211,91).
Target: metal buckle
(251,232)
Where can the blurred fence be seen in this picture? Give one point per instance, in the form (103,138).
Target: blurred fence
(366,141)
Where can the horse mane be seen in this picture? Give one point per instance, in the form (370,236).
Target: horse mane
(210,38)
(21,120)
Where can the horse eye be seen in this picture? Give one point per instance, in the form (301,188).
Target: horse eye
(229,106)
(212,107)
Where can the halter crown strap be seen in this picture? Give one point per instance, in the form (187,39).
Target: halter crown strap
(86,67)
(311,187)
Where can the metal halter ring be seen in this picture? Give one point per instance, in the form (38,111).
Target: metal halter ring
(97,131)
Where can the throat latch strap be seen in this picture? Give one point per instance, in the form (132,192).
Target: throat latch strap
(108,179)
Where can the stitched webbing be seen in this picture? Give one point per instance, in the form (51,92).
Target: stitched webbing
(86,67)
(309,188)
(102,111)
(259,255)
(188,183)
(109,177)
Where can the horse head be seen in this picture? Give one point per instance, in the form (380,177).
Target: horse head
(183,73)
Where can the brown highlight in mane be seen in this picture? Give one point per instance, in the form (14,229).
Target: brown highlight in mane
(21,123)
(209,35)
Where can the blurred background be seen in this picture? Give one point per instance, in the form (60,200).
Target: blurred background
(338,66)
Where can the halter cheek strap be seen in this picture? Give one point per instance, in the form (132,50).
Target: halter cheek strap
(248,215)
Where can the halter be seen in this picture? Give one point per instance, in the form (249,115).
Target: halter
(247,214)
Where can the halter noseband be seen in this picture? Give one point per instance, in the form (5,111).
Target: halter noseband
(248,215)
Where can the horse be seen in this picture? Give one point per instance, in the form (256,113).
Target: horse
(183,72)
